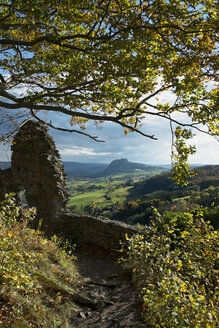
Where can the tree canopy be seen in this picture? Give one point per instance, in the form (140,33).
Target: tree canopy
(109,60)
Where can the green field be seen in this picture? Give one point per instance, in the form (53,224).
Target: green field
(78,203)
(101,192)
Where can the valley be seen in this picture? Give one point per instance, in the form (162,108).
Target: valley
(128,192)
(103,195)
(131,196)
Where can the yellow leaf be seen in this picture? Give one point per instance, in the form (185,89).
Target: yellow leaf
(10,234)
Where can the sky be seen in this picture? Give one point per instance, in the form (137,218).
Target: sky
(134,147)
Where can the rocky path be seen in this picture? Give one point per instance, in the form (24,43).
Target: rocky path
(108,299)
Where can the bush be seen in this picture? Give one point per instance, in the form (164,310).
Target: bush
(212,215)
(36,276)
(174,268)
(13,237)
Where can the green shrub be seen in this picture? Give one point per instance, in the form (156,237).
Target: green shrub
(174,268)
(36,274)
(13,238)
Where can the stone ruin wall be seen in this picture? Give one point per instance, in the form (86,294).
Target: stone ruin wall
(85,229)
(37,169)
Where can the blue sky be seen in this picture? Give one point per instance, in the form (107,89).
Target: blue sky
(134,147)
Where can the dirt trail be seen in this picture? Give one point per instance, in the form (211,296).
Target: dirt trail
(108,299)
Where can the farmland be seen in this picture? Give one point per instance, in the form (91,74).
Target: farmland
(104,194)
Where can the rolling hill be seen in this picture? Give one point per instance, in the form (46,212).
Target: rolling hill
(206,176)
(120,166)
(77,169)
(95,170)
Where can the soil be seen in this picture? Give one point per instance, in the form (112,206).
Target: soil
(107,298)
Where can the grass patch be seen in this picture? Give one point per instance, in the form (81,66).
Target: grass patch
(102,197)
(37,276)
(84,199)
(103,191)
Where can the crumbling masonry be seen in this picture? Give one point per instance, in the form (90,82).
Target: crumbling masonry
(37,169)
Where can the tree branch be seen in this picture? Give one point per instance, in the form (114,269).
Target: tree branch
(95,138)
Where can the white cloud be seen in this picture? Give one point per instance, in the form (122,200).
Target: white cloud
(134,147)
(76,151)
(207,149)
(5,152)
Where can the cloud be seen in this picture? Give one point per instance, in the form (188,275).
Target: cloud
(207,149)
(134,147)
(75,151)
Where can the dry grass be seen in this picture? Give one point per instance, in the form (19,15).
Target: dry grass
(37,276)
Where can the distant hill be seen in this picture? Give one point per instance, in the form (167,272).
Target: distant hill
(122,165)
(119,166)
(192,166)
(77,169)
(74,169)
(206,176)
(94,170)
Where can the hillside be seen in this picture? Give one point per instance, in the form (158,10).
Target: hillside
(205,176)
(77,169)
(122,165)
(37,277)
(111,196)
(162,193)
(42,284)
(101,194)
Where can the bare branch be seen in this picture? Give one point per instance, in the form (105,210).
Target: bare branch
(144,100)
(95,138)
(131,128)
(169,118)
